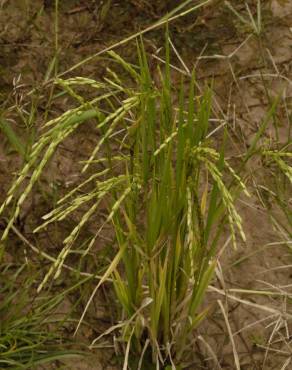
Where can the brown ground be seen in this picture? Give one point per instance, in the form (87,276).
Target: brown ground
(207,39)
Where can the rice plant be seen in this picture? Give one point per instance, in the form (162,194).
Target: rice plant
(167,187)
(278,187)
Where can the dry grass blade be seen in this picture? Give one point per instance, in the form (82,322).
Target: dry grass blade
(211,352)
(235,354)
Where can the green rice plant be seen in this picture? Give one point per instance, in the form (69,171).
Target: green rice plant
(166,186)
(278,187)
(280,158)
(27,339)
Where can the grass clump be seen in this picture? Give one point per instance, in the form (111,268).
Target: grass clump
(167,196)
(27,340)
